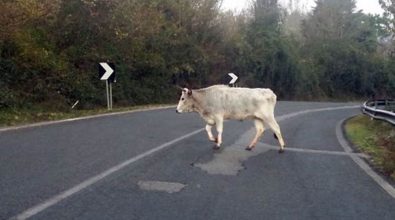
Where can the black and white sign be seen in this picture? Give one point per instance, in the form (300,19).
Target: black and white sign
(234,78)
(107,72)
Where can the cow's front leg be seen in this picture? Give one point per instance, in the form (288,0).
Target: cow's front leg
(260,128)
(209,133)
(219,127)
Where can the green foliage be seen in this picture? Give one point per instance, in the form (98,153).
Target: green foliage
(342,45)
(375,138)
(50,50)
(269,57)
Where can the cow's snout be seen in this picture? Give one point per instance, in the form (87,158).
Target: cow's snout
(178,111)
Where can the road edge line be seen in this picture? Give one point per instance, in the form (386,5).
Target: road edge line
(361,163)
(46,123)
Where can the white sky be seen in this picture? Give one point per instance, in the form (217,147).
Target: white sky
(368,6)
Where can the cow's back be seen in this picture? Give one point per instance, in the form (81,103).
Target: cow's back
(239,103)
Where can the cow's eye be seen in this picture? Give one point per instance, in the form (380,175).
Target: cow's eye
(182,99)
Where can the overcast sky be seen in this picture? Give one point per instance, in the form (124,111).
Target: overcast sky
(368,6)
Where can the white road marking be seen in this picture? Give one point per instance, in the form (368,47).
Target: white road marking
(230,160)
(288,116)
(312,151)
(362,164)
(85,184)
(45,123)
(56,199)
(161,186)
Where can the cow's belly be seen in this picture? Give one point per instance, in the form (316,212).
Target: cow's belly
(208,118)
(240,116)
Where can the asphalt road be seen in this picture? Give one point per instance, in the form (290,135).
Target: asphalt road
(159,165)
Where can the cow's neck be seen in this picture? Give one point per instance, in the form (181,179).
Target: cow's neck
(198,97)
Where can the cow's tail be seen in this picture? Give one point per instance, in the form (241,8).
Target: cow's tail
(272,98)
(274,101)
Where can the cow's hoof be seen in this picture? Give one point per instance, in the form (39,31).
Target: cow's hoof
(249,148)
(281,151)
(216,147)
(214,140)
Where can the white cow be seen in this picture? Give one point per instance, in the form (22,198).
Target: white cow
(220,102)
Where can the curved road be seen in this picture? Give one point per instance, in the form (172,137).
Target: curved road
(159,165)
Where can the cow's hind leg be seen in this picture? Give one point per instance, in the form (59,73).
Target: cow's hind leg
(260,128)
(272,123)
(210,134)
(219,125)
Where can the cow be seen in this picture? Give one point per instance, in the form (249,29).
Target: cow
(220,102)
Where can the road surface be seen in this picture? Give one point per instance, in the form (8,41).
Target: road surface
(159,165)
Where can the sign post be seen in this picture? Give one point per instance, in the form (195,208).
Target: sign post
(107,96)
(110,95)
(107,73)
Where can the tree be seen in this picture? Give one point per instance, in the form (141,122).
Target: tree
(389,8)
(269,58)
(50,49)
(15,14)
(330,20)
(342,44)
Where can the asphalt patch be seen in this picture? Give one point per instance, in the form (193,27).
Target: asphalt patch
(169,187)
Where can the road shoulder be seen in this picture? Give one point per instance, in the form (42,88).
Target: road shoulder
(383,183)
(45,123)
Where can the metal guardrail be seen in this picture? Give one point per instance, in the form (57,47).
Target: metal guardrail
(383,109)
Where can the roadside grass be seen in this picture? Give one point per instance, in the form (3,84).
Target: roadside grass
(15,117)
(375,138)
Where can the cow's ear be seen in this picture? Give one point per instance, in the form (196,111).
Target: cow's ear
(189,92)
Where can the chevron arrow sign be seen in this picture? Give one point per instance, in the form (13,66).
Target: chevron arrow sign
(234,78)
(106,71)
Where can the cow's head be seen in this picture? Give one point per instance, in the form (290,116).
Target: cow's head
(186,101)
